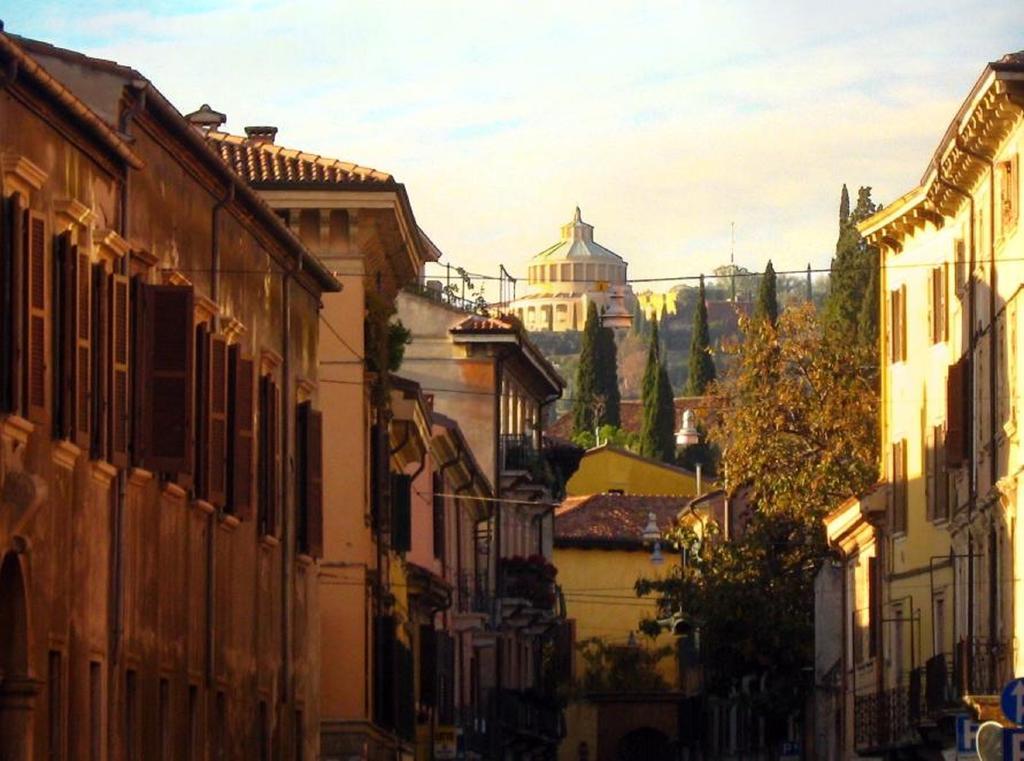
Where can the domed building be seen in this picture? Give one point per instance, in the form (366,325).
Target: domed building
(565,278)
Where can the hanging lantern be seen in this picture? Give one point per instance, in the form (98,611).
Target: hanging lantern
(688,433)
(616,316)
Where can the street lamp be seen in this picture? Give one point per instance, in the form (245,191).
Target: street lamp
(688,433)
(652,535)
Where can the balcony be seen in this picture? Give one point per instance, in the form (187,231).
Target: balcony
(529,719)
(451,296)
(518,452)
(980,667)
(528,593)
(474,595)
(884,719)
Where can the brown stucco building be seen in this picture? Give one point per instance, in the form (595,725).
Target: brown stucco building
(159,328)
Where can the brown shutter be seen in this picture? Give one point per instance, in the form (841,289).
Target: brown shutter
(217,440)
(274,453)
(311,479)
(119,323)
(63,332)
(100,361)
(956,420)
(202,417)
(36,328)
(83,348)
(903,322)
(13,268)
(930,474)
(167,389)
(242,442)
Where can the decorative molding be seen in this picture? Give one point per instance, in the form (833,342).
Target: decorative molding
(18,429)
(203,506)
(174,277)
(22,175)
(232,328)
(72,213)
(229,522)
(65,454)
(304,560)
(139,476)
(270,360)
(145,256)
(304,389)
(205,308)
(174,491)
(110,244)
(103,472)
(269,542)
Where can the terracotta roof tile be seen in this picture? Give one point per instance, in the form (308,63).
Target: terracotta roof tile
(260,162)
(613,518)
(478,323)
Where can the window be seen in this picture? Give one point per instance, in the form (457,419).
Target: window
(939,283)
(192,733)
(165,720)
(1009,195)
(898,324)
(309,455)
(72,338)
(220,747)
(263,731)
(873,599)
(438,515)
(95,711)
(163,337)
(958,421)
(55,705)
(300,737)
(401,512)
(269,457)
(131,716)
(960,260)
(939,624)
(899,486)
(936,477)
(242,434)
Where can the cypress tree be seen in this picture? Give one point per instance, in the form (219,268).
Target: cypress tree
(867,320)
(767,302)
(657,432)
(701,365)
(852,267)
(608,376)
(587,373)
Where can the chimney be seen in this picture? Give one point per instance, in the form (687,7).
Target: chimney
(261,135)
(206,118)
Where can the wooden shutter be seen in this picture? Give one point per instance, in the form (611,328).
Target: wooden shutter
(873,607)
(270,459)
(930,474)
(201,439)
(83,348)
(894,326)
(120,325)
(100,326)
(401,512)
(310,430)
(166,392)
(63,332)
(36,328)
(437,482)
(14,274)
(941,476)
(428,665)
(217,439)
(242,439)
(957,424)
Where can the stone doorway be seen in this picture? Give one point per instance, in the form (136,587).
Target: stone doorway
(17,689)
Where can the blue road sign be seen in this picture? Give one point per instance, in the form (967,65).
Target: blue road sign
(1012,701)
(1013,745)
(966,734)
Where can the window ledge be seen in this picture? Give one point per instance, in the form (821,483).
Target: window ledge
(304,560)
(18,428)
(139,476)
(174,491)
(269,541)
(103,472)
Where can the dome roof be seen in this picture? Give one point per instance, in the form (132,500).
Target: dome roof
(578,243)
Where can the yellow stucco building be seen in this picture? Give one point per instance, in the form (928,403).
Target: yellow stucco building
(930,562)
(609,468)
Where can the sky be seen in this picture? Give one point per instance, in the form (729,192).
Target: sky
(666,122)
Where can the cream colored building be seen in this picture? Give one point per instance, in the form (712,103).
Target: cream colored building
(564,278)
(932,568)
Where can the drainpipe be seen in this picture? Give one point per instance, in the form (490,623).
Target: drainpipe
(993,378)
(971,343)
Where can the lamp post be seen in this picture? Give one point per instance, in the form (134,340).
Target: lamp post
(616,316)
(597,406)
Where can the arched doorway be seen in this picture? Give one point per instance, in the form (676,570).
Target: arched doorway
(644,744)
(17,690)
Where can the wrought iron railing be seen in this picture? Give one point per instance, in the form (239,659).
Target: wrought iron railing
(528,714)
(518,451)
(474,593)
(979,666)
(449,295)
(882,719)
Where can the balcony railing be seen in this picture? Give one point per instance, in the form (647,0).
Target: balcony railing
(979,666)
(474,593)
(530,715)
(882,719)
(437,291)
(518,451)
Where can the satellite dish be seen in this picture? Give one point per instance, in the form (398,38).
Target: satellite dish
(990,741)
